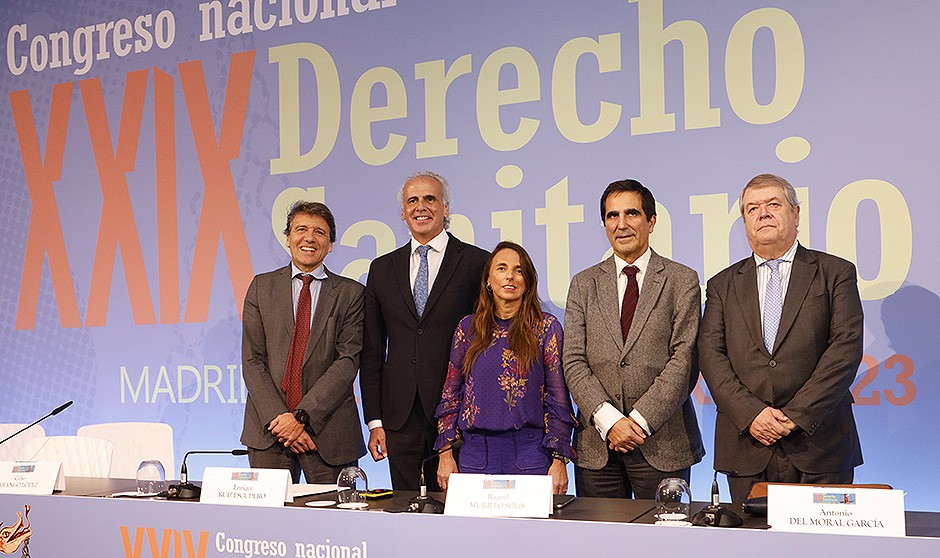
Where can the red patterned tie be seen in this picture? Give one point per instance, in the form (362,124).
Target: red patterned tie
(630,298)
(293,377)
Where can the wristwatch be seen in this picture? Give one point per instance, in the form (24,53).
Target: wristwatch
(302,417)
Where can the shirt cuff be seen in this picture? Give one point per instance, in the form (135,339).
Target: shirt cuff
(638,418)
(373,424)
(605,417)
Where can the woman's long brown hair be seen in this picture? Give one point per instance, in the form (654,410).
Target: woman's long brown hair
(523,329)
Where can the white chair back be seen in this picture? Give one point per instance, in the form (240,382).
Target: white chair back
(135,442)
(13,449)
(81,456)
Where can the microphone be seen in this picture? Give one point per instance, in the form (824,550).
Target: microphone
(55,411)
(716,515)
(186,490)
(422,503)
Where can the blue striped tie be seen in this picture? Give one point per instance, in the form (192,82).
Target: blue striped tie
(773,305)
(421,281)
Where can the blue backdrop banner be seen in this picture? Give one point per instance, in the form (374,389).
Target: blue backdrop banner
(149,150)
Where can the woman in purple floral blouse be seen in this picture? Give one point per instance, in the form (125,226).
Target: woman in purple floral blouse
(505,394)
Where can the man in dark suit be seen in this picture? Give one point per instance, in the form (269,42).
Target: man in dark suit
(629,357)
(415,296)
(779,346)
(301,412)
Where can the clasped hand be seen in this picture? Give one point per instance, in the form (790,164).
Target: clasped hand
(625,435)
(771,425)
(291,433)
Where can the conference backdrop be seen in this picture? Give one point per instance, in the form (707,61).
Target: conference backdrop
(149,150)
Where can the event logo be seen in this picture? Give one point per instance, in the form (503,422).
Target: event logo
(160,544)
(17,534)
(833,498)
(499,484)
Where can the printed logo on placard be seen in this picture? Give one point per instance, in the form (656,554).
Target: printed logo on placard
(833,498)
(499,484)
(245,476)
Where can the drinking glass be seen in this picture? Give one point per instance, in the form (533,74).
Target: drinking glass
(351,486)
(151,478)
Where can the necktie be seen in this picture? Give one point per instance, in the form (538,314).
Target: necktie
(773,305)
(293,377)
(630,298)
(421,281)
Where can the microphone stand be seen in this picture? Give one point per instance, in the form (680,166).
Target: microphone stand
(186,490)
(716,515)
(422,503)
(54,412)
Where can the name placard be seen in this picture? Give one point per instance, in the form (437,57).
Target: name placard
(499,495)
(849,511)
(31,477)
(246,487)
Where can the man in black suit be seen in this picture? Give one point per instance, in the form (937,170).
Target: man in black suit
(779,346)
(415,296)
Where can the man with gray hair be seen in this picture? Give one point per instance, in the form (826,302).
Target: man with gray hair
(415,296)
(779,345)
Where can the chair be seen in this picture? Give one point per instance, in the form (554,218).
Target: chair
(135,442)
(81,456)
(13,449)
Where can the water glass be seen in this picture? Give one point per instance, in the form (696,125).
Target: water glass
(151,478)
(673,502)
(351,486)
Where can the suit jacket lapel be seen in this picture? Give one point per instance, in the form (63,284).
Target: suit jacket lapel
(402,273)
(652,287)
(452,256)
(801,276)
(606,284)
(284,300)
(745,290)
(321,313)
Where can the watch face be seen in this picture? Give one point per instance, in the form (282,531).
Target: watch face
(301,416)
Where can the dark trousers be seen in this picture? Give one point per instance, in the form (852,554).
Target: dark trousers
(315,469)
(625,475)
(408,446)
(781,469)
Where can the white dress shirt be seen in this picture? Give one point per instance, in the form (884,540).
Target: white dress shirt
(435,255)
(763,274)
(297,285)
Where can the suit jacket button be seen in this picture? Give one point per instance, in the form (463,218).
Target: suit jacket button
(414,360)
(773,363)
(623,363)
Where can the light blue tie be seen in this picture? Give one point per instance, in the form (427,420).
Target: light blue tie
(773,305)
(421,281)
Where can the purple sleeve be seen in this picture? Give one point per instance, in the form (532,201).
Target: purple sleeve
(559,414)
(447,410)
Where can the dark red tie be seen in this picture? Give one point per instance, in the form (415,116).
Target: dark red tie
(293,377)
(630,298)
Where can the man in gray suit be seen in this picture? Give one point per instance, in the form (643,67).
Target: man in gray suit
(301,412)
(631,366)
(780,344)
